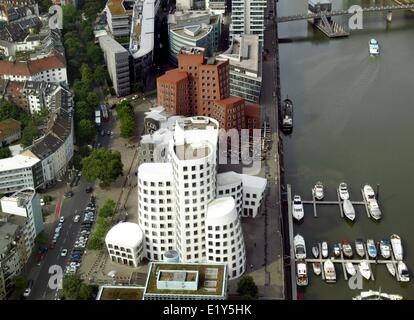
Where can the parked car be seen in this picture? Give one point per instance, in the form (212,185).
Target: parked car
(62,219)
(88,190)
(28,289)
(64,252)
(42,202)
(76,218)
(69,194)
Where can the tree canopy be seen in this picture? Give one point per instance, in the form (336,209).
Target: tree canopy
(127,118)
(86,131)
(247,288)
(75,289)
(102,164)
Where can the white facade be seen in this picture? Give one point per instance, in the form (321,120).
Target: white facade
(19,172)
(248,17)
(193,155)
(25,203)
(230,184)
(156,206)
(225,242)
(253,192)
(125,243)
(246,190)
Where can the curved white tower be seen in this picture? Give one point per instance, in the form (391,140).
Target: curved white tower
(125,243)
(193,156)
(225,243)
(156,207)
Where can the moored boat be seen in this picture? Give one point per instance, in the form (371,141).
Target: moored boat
(343,191)
(315,251)
(287,115)
(300,247)
(317,270)
(365,270)
(403,273)
(372,203)
(347,249)
(336,250)
(397,248)
(329,270)
(350,268)
(349,210)
(297,210)
(385,248)
(391,268)
(372,248)
(377,295)
(359,247)
(318,191)
(301,273)
(325,250)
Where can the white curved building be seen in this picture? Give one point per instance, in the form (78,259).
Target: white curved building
(156,207)
(125,243)
(230,184)
(225,242)
(193,156)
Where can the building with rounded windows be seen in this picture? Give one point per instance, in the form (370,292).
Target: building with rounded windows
(125,243)
(156,207)
(224,236)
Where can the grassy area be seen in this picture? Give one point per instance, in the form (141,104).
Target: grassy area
(132,293)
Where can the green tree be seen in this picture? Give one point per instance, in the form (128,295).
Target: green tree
(86,76)
(102,164)
(29,133)
(93,99)
(94,53)
(74,288)
(44,5)
(247,288)
(5,152)
(41,239)
(127,127)
(83,111)
(86,131)
(81,92)
(100,75)
(20,283)
(107,209)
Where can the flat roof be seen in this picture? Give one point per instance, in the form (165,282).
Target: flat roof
(156,171)
(17,162)
(254,182)
(228,178)
(125,234)
(211,278)
(244,53)
(146,40)
(110,44)
(120,293)
(192,151)
(197,123)
(117,7)
(194,32)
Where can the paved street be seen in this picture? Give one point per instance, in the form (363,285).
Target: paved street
(263,235)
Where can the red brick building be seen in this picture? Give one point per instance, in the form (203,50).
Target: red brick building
(201,86)
(173,93)
(230,113)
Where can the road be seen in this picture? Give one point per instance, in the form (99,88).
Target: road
(69,208)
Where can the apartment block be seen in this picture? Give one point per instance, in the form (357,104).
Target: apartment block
(117,61)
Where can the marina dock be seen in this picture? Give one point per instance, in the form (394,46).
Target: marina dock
(336,260)
(315,203)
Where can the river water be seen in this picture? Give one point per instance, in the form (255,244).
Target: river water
(353,122)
